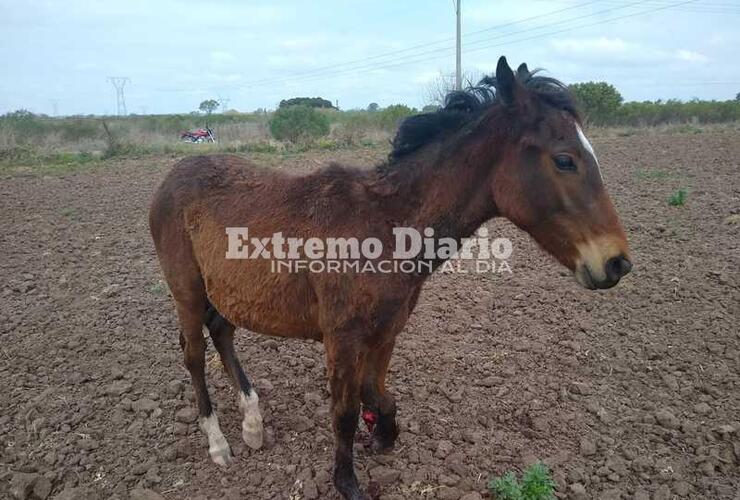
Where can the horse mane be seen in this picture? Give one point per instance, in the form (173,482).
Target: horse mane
(464,106)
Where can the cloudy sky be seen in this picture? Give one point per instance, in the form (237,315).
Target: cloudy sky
(57,54)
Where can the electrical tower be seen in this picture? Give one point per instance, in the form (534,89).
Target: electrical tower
(224,102)
(119,82)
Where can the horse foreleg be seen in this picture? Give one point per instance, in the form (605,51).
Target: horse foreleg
(380,406)
(194,350)
(375,399)
(344,366)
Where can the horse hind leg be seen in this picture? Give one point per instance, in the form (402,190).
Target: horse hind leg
(181,271)
(194,348)
(222,333)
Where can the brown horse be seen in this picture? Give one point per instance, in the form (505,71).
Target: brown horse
(511,147)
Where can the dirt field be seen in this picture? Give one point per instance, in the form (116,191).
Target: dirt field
(628,393)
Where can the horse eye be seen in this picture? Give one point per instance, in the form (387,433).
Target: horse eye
(564,162)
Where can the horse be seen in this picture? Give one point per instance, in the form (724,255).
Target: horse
(510,147)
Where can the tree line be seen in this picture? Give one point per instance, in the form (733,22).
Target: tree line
(302,119)
(602,104)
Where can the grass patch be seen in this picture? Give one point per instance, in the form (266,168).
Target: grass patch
(652,174)
(536,484)
(27,160)
(158,288)
(684,128)
(629,132)
(678,198)
(69,212)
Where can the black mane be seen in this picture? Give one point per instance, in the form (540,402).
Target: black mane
(464,106)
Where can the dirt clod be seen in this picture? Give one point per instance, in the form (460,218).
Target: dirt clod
(667,419)
(21,485)
(186,415)
(587,447)
(144,494)
(384,475)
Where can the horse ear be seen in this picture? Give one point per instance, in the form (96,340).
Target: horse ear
(522,72)
(505,81)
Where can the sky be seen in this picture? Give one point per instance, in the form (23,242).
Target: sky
(56,55)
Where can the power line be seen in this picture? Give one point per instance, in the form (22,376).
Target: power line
(322,73)
(413,58)
(703,8)
(699,6)
(364,61)
(405,60)
(588,25)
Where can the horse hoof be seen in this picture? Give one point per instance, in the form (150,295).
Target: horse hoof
(252,437)
(383,443)
(380,447)
(373,490)
(361,495)
(221,456)
(252,429)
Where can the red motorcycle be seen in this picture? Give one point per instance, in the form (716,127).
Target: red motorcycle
(198,135)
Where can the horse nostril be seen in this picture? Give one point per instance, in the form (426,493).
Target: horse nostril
(626,266)
(616,267)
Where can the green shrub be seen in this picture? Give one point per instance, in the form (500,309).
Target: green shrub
(536,484)
(18,154)
(678,198)
(311,102)
(257,147)
(298,123)
(598,101)
(68,158)
(389,118)
(76,130)
(24,125)
(327,144)
(649,113)
(353,126)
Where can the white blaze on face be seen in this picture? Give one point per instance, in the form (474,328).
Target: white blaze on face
(588,147)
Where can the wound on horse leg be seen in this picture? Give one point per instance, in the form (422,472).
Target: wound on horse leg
(370,418)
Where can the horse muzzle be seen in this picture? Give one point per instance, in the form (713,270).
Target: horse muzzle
(609,275)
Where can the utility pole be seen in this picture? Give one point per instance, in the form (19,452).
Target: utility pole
(119,82)
(458,53)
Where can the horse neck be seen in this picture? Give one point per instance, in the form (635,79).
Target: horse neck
(445,187)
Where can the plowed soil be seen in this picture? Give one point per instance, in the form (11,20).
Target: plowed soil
(632,392)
